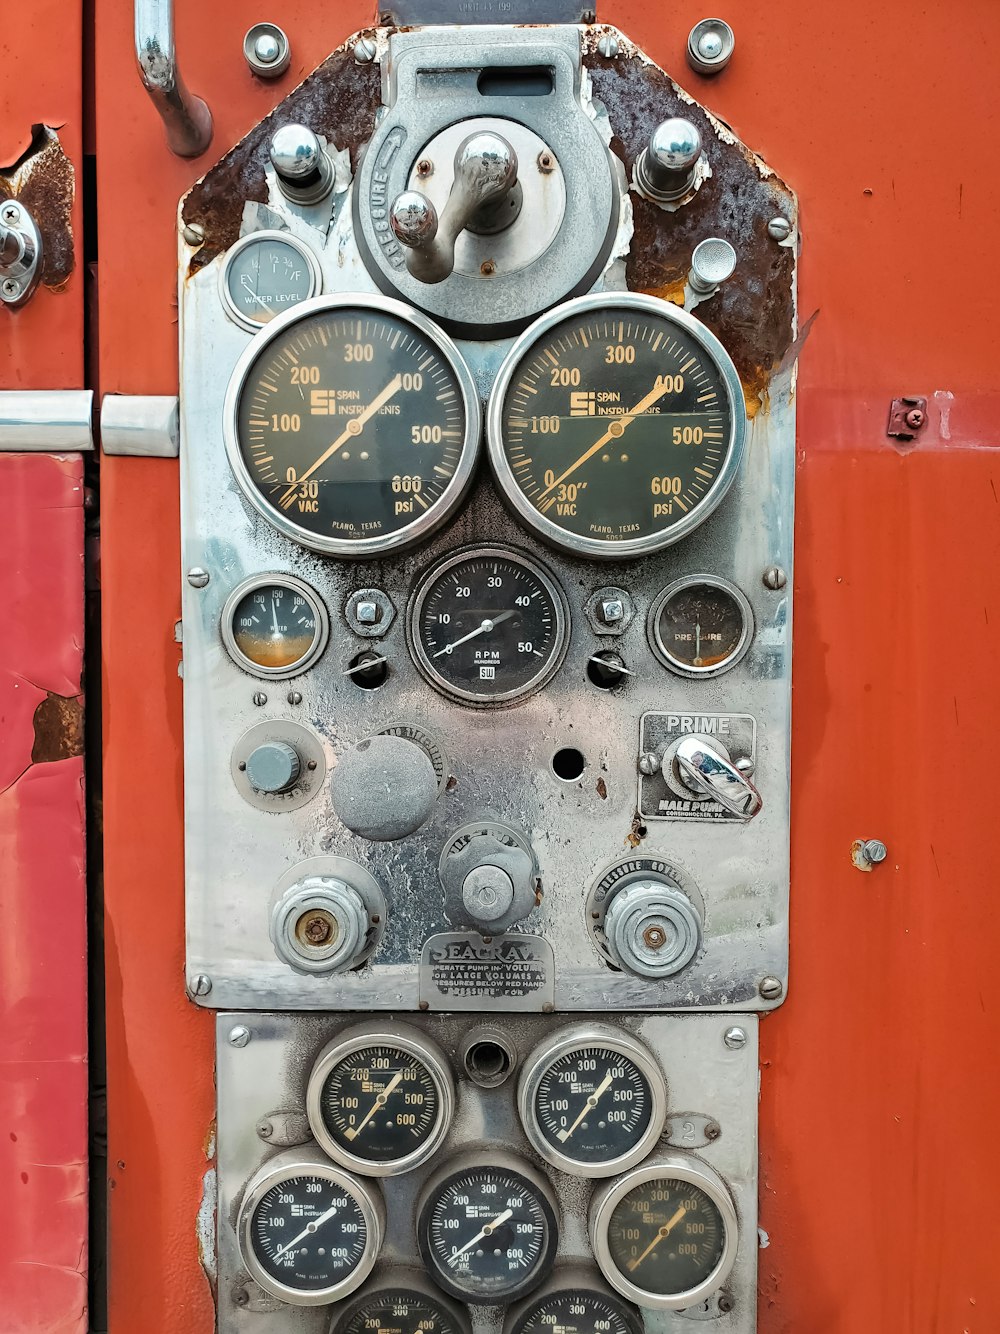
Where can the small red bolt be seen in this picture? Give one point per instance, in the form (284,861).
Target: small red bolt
(915,418)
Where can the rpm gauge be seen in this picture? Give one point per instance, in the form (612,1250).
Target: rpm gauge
(352,425)
(616,425)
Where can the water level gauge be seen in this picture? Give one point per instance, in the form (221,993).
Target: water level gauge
(266,273)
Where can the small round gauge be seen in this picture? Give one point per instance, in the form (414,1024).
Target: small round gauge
(274,625)
(308,1232)
(700,625)
(352,424)
(664,1235)
(592,1100)
(616,425)
(573,1301)
(488,626)
(403,1303)
(380,1099)
(265,274)
(487,1228)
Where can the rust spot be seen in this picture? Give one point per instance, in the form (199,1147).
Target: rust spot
(602,789)
(451,784)
(338,100)
(753,313)
(58,724)
(638,831)
(43,180)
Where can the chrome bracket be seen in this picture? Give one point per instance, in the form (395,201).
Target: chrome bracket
(143,424)
(20,254)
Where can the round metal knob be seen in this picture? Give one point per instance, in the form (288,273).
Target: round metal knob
(712,262)
(304,172)
(273,767)
(667,169)
(652,928)
(320,925)
(413,219)
(488,893)
(385,788)
(489,875)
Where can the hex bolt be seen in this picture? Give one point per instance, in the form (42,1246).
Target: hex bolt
(736,1038)
(775,578)
(779,228)
(317,930)
(770,988)
(239,1036)
(649,763)
(915,418)
(612,610)
(193,233)
(259,698)
(874,851)
(201,985)
(608,46)
(364,50)
(197,577)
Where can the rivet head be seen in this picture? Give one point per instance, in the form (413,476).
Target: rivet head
(770,988)
(735,1038)
(267,48)
(239,1036)
(779,228)
(197,577)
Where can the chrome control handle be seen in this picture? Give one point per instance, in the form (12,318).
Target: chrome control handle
(186,119)
(706,771)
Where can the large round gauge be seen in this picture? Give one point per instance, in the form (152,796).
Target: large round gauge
(352,425)
(403,1303)
(488,626)
(573,1301)
(592,1099)
(274,625)
(665,1234)
(700,625)
(616,425)
(487,1228)
(308,1232)
(380,1099)
(265,274)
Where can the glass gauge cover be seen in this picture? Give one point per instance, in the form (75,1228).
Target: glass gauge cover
(274,625)
(403,1307)
(616,425)
(265,274)
(488,626)
(308,1232)
(577,1304)
(700,625)
(592,1100)
(665,1235)
(380,1100)
(352,425)
(487,1229)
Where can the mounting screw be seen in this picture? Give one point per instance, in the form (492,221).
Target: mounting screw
(770,988)
(916,418)
(193,233)
(612,610)
(546,163)
(487,268)
(726,1303)
(259,698)
(736,1038)
(874,851)
(295,696)
(201,985)
(775,578)
(265,1129)
(10,213)
(10,287)
(425,167)
(364,50)
(197,577)
(779,228)
(241,1296)
(649,763)
(239,1036)
(608,46)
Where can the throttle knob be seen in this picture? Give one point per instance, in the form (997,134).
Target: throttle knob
(273,767)
(304,172)
(668,168)
(652,928)
(385,788)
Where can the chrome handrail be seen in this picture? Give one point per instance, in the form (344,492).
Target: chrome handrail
(186,118)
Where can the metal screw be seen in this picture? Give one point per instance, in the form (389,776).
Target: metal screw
(608,46)
(197,577)
(915,418)
(649,763)
(193,233)
(239,1036)
(712,1131)
(612,609)
(775,578)
(10,287)
(201,985)
(874,851)
(11,213)
(259,698)
(725,1303)
(295,696)
(368,613)
(735,1038)
(265,1130)
(425,167)
(770,988)
(487,268)
(779,228)
(317,930)
(364,50)
(546,163)
(241,1297)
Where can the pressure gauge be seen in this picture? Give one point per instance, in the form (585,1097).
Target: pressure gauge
(352,425)
(616,425)
(274,625)
(665,1234)
(265,274)
(308,1232)
(573,1300)
(592,1099)
(700,625)
(486,1227)
(380,1099)
(402,1303)
(488,625)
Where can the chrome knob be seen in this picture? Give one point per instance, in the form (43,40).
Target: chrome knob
(706,771)
(712,262)
(320,925)
(667,168)
(652,928)
(273,767)
(413,219)
(304,172)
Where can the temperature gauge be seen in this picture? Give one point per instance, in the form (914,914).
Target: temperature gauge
(403,1303)
(573,1302)
(264,274)
(700,625)
(274,625)
(308,1232)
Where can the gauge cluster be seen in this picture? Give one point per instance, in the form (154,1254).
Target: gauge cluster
(430,1170)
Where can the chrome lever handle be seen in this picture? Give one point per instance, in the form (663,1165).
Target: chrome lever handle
(186,119)
(706,771)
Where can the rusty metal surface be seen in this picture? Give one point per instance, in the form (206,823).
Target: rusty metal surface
(43,179)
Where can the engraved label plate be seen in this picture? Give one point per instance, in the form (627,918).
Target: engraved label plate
(664,795)
(462,970)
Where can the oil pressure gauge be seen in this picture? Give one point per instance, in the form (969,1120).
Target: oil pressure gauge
(700,625)
(265,274)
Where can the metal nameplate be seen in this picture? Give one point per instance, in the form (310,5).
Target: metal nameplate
(461,970)
(662,795)
(413,13)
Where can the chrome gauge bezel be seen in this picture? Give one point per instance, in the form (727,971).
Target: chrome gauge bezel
(561,630)
(413,1285)
(295,585)
(678,586)
(248,242)
(298,1164)
(408,1040)
(673,1167)
(426,523)
(552,1049)
(605,302)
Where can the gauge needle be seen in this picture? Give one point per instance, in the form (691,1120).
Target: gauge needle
(664,1231)
(354,428)
(245,283)
(274,617)
(380,1101)
(307,1231)
(485,1232)
(697,640)
(483,629)
(644,404)
(588,1106)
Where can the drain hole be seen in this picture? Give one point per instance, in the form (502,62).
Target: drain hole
(568,764)
(488,1057)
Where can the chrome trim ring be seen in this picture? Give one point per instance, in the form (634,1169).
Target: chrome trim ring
(246,243)
(316,604)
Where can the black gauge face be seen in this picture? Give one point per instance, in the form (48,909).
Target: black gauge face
(614,431)
(266,275)
(593,1105)
(488,626)
(666,1236)
(275,628)
(488,1234)
(352,428)
(308,1233)
(700,627)
(578,1311)
(380,1104)
(400,1311)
